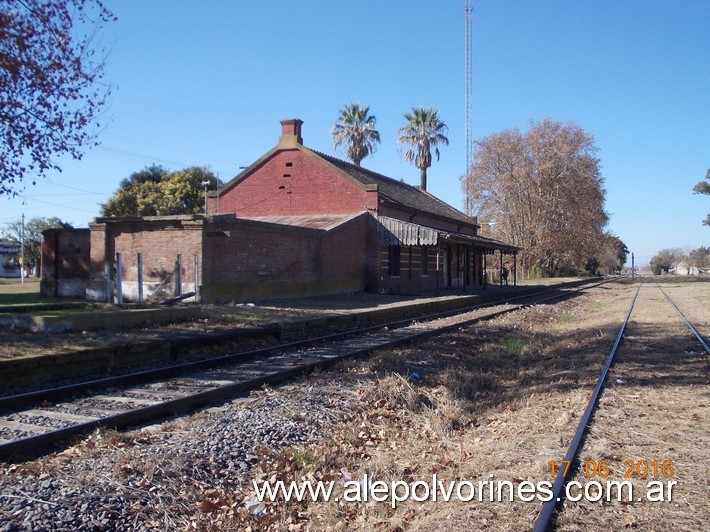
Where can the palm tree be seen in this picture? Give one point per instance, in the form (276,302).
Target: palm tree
(423,131)
(356,128)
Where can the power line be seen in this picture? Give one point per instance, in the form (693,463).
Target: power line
(49,182)
(151,158)
(58,205)
(73,194)
(140,155)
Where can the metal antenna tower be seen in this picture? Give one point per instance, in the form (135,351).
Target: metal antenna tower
(468,8)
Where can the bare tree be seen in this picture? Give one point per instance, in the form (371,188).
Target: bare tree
(699,258)
(49,95)
(666,259)
(544,190)
(612,253)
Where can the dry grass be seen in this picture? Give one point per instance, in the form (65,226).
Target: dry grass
(655,409)
(501,404)
(494,404)
(478,405)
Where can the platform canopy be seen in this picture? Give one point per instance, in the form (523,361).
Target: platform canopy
(393,232)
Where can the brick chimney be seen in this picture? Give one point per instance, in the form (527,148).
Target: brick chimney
(291,132)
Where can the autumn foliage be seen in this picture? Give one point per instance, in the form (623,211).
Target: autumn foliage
(50,99)
(542,189)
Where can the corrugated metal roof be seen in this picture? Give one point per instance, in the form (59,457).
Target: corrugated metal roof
(393,232)
(310,221)
(480,242)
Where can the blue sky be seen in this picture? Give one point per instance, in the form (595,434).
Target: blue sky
(205,82)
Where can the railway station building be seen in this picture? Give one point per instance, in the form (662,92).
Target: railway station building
(296,222)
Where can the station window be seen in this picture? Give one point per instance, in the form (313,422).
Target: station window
(394,258)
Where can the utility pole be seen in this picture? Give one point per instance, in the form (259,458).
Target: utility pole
(205,184)
(22,251)
(468,10)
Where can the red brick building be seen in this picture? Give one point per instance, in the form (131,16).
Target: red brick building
(295,222)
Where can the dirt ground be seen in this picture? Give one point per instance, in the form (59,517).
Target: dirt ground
(502,402)
(496,402)
(653,424)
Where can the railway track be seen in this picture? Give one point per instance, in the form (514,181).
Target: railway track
(32,421)
(550,512)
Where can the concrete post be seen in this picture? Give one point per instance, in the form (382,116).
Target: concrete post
(500,270)
(178,276)
(119,280)
(197,278)
(107,276)
(140,278)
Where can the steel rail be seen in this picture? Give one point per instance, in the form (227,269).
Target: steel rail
(38,396)
(30,444)
(544,517)
(690,326)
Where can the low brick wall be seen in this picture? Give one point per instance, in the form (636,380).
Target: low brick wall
(102,361)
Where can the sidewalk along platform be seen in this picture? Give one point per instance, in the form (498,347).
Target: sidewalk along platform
(97,318)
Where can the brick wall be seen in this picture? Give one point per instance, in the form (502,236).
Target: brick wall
(291,183)
(65,262)
(160,241)
(237,259)
(247,260)
(166,247)
(413,277)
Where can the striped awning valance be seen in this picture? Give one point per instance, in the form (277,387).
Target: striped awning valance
(393,232)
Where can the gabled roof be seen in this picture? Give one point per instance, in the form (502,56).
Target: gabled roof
(398,193)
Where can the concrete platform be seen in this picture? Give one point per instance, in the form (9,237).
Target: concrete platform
(116,356)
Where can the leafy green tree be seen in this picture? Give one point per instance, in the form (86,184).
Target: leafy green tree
(137,194)
(156,192)
(356,129)
(50,98)
(423,131)
(704,188)
(32,236)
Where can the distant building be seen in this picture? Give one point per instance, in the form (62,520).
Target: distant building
(684,268)
(294,223)
(9,259)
